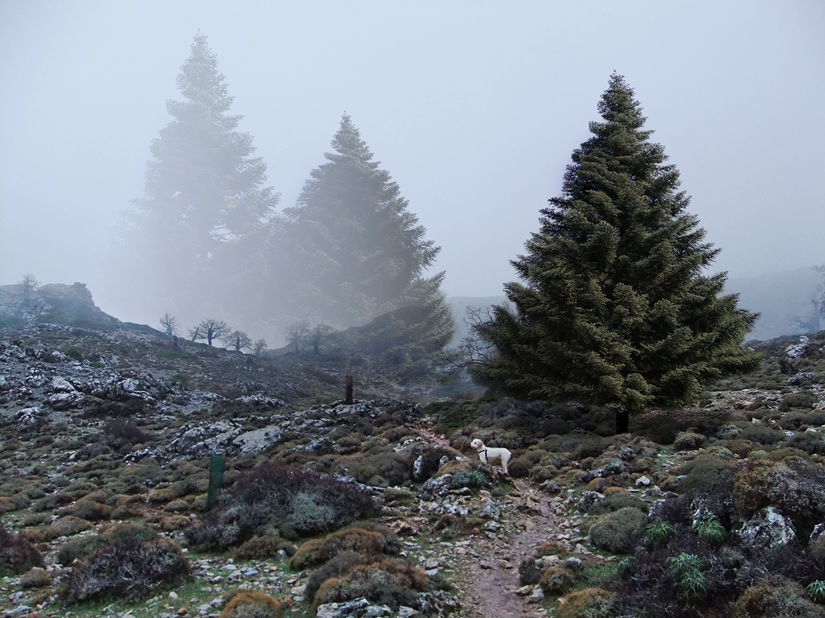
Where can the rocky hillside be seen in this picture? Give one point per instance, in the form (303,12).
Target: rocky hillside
(380,507)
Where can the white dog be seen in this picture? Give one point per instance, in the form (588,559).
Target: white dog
(490,454)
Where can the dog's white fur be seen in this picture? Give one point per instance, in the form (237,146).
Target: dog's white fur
(490,454)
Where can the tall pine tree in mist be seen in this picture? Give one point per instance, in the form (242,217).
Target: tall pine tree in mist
(352,247)
(205,203)
(614,307)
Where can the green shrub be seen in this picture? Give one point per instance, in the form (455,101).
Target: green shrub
(89,510)
(557,580)
(689,441)
(128,568)
(66,526)
(528,572)
(251,604)
(803,399)
(686,571)
(618,531)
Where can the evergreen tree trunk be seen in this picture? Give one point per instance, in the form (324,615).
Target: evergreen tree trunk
(622,421)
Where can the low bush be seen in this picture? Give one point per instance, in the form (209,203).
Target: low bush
(386,581)
(802,399)
(657,533)
(776,596)
(794,486)
(128,568)
(618,531)
(17,553)
(689,441)
(36,577)
(67,525)
(89,510)
(317,551)
(557,580)
(251,604)
(589,603)
(336,566)
(528,572)
(262,547)
(274,497)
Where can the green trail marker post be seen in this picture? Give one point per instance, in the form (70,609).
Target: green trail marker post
(216,466)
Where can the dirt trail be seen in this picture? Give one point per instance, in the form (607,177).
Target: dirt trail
(487,572)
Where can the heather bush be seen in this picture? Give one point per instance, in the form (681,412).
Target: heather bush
(17,553)
(251,604)
(317,551)
(386,581)
(618,531)
(35,577)
(337,566)
(776,596)
(802,399)
(273,497)
(66,526)
(89,510)
(557,580)
(589,603)
(794,486)
(127,568)
(528,572)
(688,441)
(262,547)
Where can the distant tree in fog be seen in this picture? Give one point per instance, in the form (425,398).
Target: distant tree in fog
(210,330)
(169,324)
(259,347)
(317,334)
(351,244)
(296,334)
(205,203)
(237,340)
(30,285)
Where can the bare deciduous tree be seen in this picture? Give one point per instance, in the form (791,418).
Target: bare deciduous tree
(317,334)
(297,333)
(238,340)
(259,347)
(210,330)
(169,324)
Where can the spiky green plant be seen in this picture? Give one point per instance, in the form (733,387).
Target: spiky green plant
(710,528)
(816,590)
(657,533)
(686,570)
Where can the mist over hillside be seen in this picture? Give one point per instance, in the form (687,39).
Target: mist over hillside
(785,301)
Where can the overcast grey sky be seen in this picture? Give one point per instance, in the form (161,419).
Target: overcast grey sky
(473,107)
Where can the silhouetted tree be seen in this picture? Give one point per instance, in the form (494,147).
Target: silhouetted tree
(204,193)
(169,324)
(259,347)
(317,334)
(353,246)
(210,329)
(238,340)
(296,334)
(614,308)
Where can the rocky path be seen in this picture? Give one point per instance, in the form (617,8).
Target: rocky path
(486,571)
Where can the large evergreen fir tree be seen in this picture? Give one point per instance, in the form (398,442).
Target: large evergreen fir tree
(353,248)
(205,199)
(615,307)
